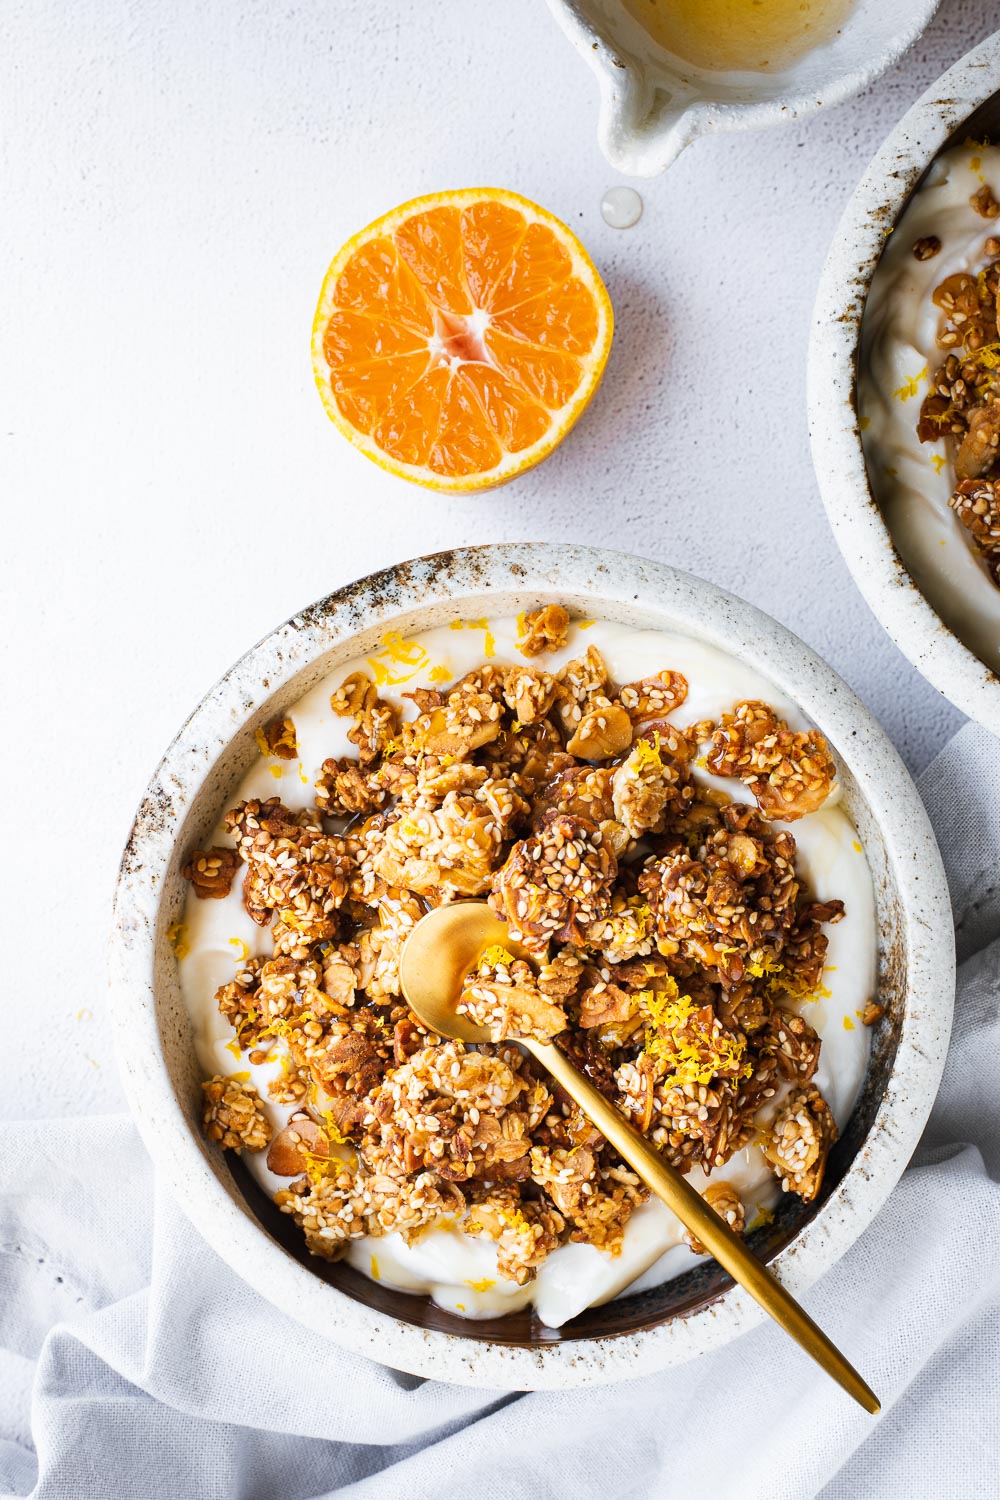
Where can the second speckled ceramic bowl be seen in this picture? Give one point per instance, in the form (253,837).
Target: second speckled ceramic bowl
(963,103)
(634,1334)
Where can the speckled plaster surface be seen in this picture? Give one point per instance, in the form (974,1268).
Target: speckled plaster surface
(176,179)
(152,1030)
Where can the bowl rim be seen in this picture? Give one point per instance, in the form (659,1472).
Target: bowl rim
(646,152)
(835,436)
(613,580)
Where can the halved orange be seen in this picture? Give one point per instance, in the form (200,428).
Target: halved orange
(459,337)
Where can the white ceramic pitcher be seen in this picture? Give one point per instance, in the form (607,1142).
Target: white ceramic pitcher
(654,104)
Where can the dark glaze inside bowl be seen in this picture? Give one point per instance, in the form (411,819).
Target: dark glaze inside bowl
(684,1294)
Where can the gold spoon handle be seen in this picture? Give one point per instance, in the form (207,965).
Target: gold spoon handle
(714,1233)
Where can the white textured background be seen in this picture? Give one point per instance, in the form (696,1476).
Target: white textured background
(175,179)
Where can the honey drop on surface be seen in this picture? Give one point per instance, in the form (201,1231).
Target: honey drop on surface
(621,207)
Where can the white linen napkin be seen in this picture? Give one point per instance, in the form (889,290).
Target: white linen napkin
(136,1366)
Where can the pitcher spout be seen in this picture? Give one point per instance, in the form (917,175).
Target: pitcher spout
(653,103)
(642,130)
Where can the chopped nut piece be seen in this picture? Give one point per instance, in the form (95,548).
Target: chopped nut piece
(232,1115)
(566,1176)
(211,872)
(606,1002)
(725,1200)
(294,1148)
(800,1142)
(375,723)
(345,1060)
(434,779)
(502,996)
(380,947)
(340,975)
(653,697)
(561,978)
(926,247)
(456,846)
(355,694)
(290,1086)
(543,629)
(873,1013)
(278,738)
(426,699)
(746,1007)
(789,774)
(984,202)
(604,730)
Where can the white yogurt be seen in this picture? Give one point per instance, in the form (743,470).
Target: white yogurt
(458,1271)
(899,355)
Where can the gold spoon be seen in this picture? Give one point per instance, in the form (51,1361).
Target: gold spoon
(437,956)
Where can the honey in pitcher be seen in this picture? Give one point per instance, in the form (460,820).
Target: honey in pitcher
(740,35)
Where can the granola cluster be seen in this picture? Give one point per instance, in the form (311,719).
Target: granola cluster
(800,1142)
(663,940)
(963,406)
(789,774)
(232,1115)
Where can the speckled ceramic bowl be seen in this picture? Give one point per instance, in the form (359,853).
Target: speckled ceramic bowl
(635,1334)
(964,102)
